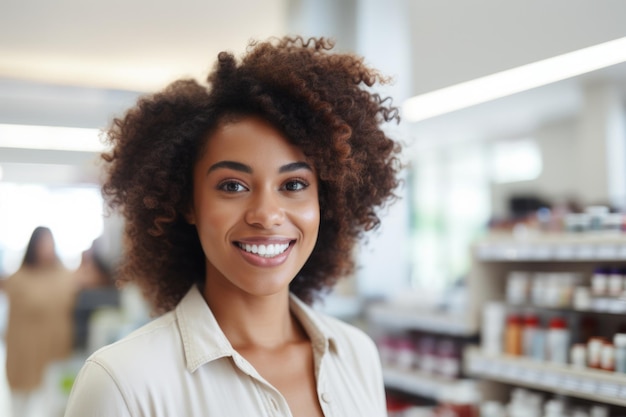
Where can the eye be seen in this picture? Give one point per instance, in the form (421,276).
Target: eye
(231,187)
(295,185)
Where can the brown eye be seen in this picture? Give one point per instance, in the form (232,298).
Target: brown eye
(231,187)
(295,185)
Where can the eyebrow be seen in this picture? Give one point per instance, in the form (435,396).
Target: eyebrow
(235,166)
(238,166)
(294,166)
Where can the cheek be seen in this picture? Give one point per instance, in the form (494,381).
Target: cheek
(214,220)
(309,218)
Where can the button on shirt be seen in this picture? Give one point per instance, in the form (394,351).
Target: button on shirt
(182,365)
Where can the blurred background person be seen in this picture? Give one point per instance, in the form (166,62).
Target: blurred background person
(41,297)
(97,292)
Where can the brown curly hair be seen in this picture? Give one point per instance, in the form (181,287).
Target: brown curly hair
(320,100)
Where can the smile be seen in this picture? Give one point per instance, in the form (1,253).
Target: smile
(266,251)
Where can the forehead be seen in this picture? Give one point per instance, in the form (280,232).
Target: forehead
(250,138)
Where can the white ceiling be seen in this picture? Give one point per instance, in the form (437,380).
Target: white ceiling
(140,45)
(127,44)
(519,114)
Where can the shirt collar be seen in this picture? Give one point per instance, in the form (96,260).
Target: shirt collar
(202,337)
(321,334)
(204,341)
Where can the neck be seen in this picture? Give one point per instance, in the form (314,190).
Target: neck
(250,321)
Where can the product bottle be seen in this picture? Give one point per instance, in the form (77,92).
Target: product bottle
(492,409)
(406,357)
(461,399)
(449,358)
(532,337)
(594,351)
(607,357)
(427,355)
(615,282)
(517,287)
(513,335)
(599,411)
(599,282)
(554,408)
(619,340)
(578,355)
(558,340)
(492,337)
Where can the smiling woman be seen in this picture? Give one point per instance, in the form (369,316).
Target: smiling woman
(243,202)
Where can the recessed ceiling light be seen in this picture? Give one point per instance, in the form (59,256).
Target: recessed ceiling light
(525,77)
(50,138)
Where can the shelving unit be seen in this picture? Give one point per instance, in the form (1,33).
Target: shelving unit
(440,322)
(568,247)
(395,318)
(416,383)
(497,255)
(590,384)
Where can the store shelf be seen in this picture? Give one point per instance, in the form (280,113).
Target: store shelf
(596,385)
(554,247)
(425,320)
(417,383)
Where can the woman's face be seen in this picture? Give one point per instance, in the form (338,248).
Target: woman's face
(255,206)
(46,252)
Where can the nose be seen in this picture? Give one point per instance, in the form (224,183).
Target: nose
(265,210)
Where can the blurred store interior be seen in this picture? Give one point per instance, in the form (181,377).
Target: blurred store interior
(519,161)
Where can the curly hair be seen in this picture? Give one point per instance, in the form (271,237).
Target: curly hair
(320,100)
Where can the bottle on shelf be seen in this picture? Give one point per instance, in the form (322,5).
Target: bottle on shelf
(599,411)
(517,287)
(600,282)
(594,351)
(607,357)
(619,340)
(557,340)
(405,353)
(449,358)
(493,324)
(513,334)
(578,355)
(426,350)
(459,400)
(555,408)
(533,337)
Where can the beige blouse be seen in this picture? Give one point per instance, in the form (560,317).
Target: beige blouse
(40,327)
(181,364)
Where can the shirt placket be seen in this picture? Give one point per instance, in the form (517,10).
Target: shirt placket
(324,394)
(274,403)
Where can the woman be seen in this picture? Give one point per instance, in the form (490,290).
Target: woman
(41,298)
(243,202)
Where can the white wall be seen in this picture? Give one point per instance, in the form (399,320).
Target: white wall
(558,179)
(584,157)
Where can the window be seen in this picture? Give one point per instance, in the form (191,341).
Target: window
(74,214)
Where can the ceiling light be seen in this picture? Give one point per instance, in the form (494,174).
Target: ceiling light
(513,81)
(50,138)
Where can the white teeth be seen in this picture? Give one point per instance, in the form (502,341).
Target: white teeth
(267,251)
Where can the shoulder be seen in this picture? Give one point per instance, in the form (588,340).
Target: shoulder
(137,351)
(116,371)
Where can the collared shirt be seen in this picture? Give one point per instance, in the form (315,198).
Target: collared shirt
(182,365)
